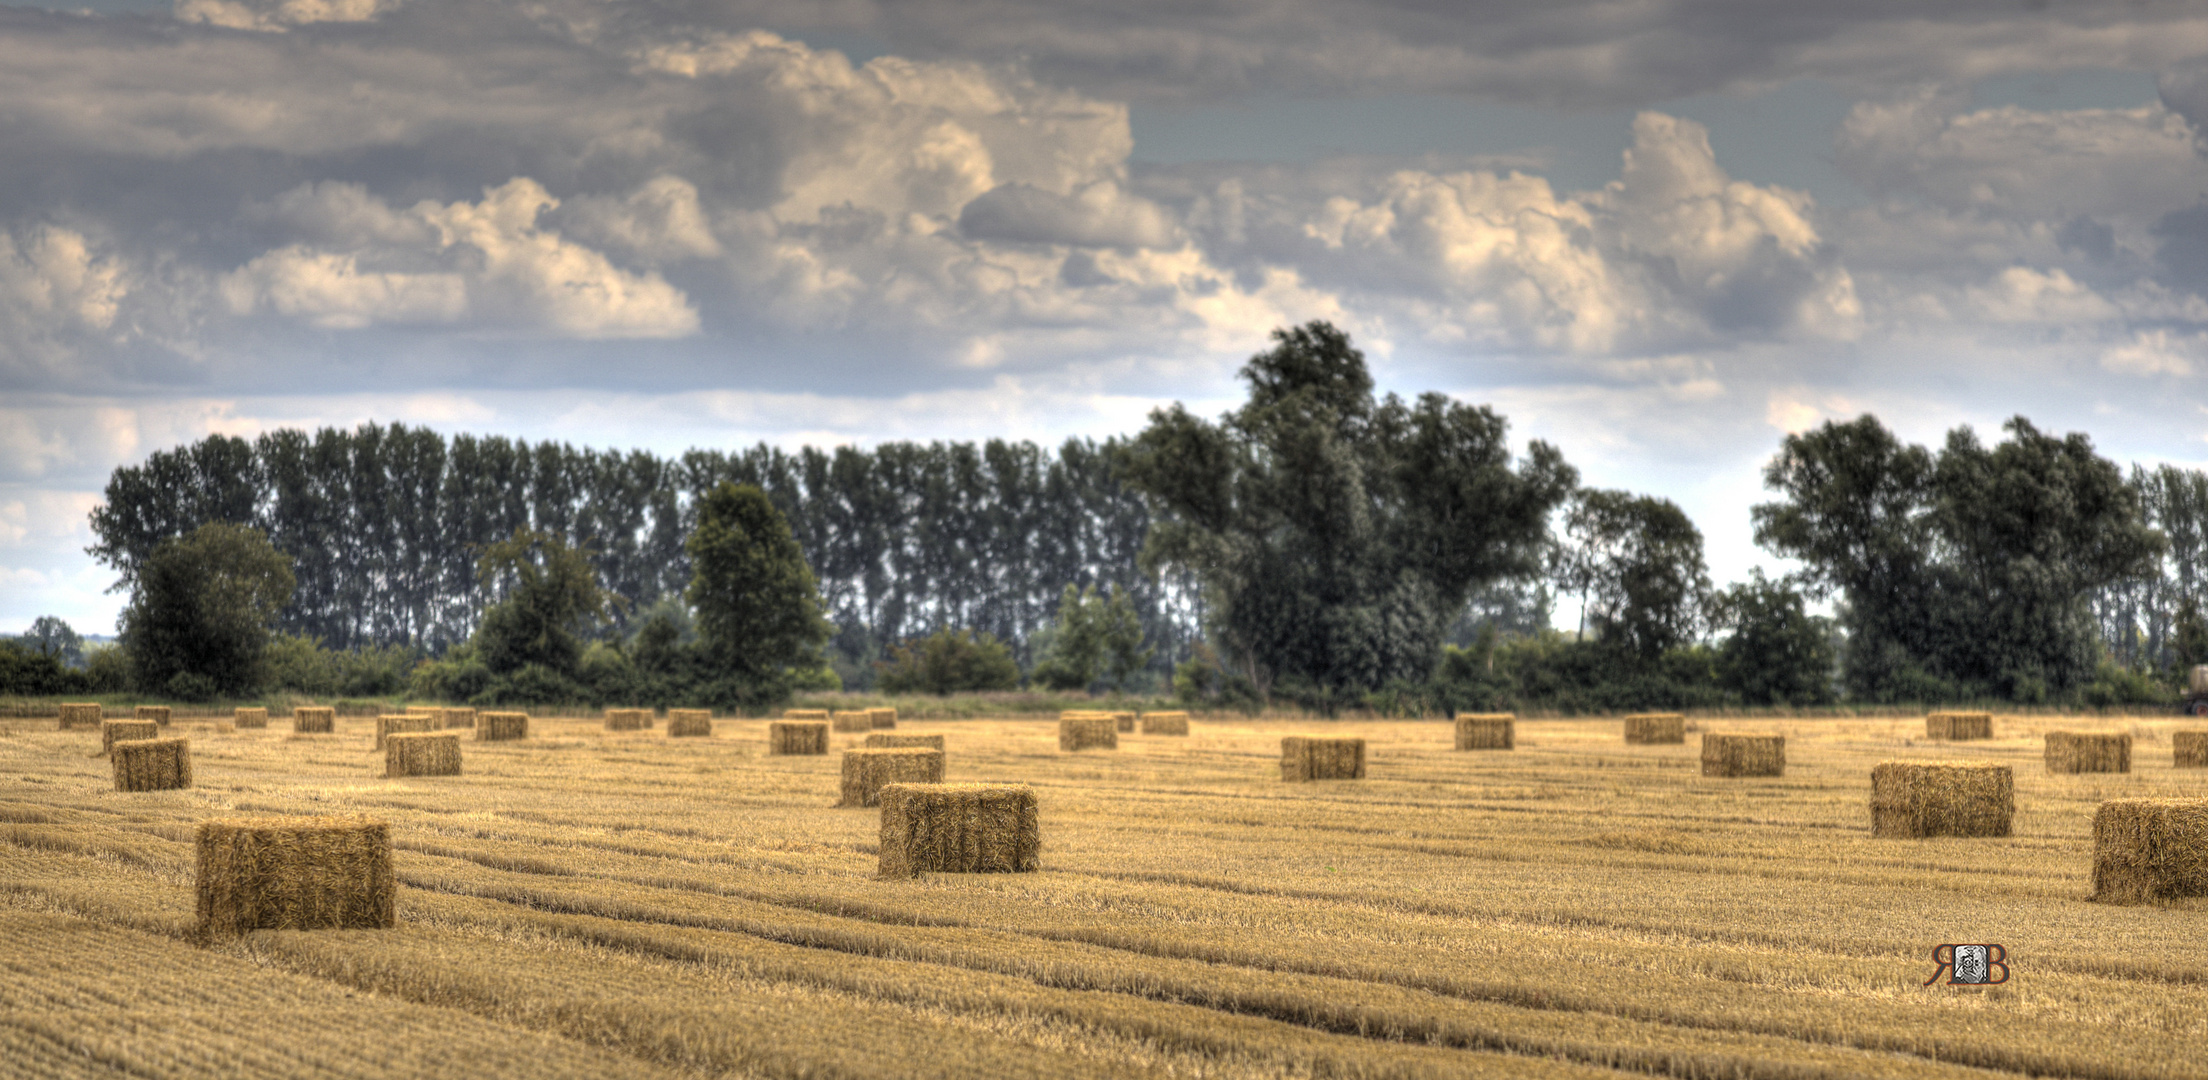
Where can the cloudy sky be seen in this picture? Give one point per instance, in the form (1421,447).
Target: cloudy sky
(1659,234)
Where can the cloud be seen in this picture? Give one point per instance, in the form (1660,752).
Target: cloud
(2151,353)
(278,15)
(1098,215)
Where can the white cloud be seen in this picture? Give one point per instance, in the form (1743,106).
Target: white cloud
(52,282)
(2021,294)
(331,291)
(277,15)
(2155,352)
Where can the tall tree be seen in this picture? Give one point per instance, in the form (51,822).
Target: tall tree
(757,605)
(200,612)
(1636,561)
(551,599)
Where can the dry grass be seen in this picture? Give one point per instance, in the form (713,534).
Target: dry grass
(421,753)
(296,873)
(2150,849)
(151,764)
(1942,798)
(1737,754)
(313,719)
(1958,725)
(2087,752)
(1486,731)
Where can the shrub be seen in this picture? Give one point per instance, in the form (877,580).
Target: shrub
(948,662)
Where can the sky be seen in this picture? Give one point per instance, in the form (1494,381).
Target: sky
(1658,234)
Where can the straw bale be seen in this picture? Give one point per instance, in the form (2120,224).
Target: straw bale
(295,873)
(804,714)
(313,719)
(884,718)
(226,727)
(80,716)
(854,720)
(501,726)
(459,718)
(1734,754)
(249,718)
(2189,749)
(958,829)
(866,771)
(891,742)
(797,737)
(1087,732)
(1165,723)
(2087,752)
(689,723)
(1958,725)
(1309,758)
(2150,849)
(115,731)
(1656,728)
(1913,799)
(626,719)
(420,710)
(1487,731)
(421,753)
(159,714)
(390,724)
(152,764)
(1125,720)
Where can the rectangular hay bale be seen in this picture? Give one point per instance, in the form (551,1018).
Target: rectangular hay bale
(421,753)
(958,829)
(391,724)
(159,714)
(459,718)
(689,723)
(1165,723)
(1912,799)
(1735,754)
(891,742)
(81,716)
(501,726)
(115,731)
(313,720)
(1656,728)
(1487,731)
(1087,732)
(853,720)
(797,737)
(2189,749)
(152,764)
(865,772)
(884,718)
(1125,720)
(804,714)
(1312,758)
(249,718)
(626,719)
(295,873)
(2150,849)
(2087,752)
(1958,725)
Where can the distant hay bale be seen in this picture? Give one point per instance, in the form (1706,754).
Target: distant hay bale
(421,753)
(1911,799)
(80,716)
(1958,725)
(295,873)
(226,727)
(391,724)
(2087,752)
(797,737)
(152,764)
(892,742)
(501,726)
(159,714)
(249,718)
(1125,720)
(2189,749)
(420,710)
(459,718)
(1309,758)
(1487,731)
(2150,849)
(958,829)
(1088,732)
(1661,727)
(854,720)
(865,772)
(689,723)
(1164,723)
(313,720)
(804,714)
(1733,754)
(115,731)
(884,718)
(626,719)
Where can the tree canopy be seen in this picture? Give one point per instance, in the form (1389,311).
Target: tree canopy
(757,605)
(198,620)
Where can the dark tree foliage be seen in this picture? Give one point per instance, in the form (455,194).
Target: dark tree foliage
(50,636)
(550,600)
(758,608)
(1636,560)
(1777,653)
(199,614)
(1337,536)
(949,662)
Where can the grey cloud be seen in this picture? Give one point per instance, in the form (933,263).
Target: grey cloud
(1101,215)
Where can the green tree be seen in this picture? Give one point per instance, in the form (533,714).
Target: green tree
(50,636)
(1778,653)
(949,662)
(551,600)
(199,615)
(757,605)
(1096,637)
(1636,561)
(1336,536)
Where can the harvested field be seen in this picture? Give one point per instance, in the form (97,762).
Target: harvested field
(578,904)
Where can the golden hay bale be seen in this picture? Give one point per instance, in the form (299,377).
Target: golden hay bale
(1487,731)
(797,737)
(390,724)
(1958,725)
(854,720)
(1125,720)
(1309,758)
(152,764)
(249,718)
(420,710)
(313,719)
(295,873)
(1085,732)
(626,719)
(1733,754)
(2087,752)
(2150,849)
(115,731)
(958,829)
(1164,723)
(421,753)
(227,727)
(1663,727)
(891,742)
(458,718)
(1914,799)
(865,772)
(884,718)
(2189,749)
(689,723)
(501,726)
(804,714)
(159,714)
(80,716)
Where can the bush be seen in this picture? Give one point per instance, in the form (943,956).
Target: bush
(27,672)
(948,663)
(2116,685)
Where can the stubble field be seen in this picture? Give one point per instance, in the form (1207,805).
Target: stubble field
(593,904)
